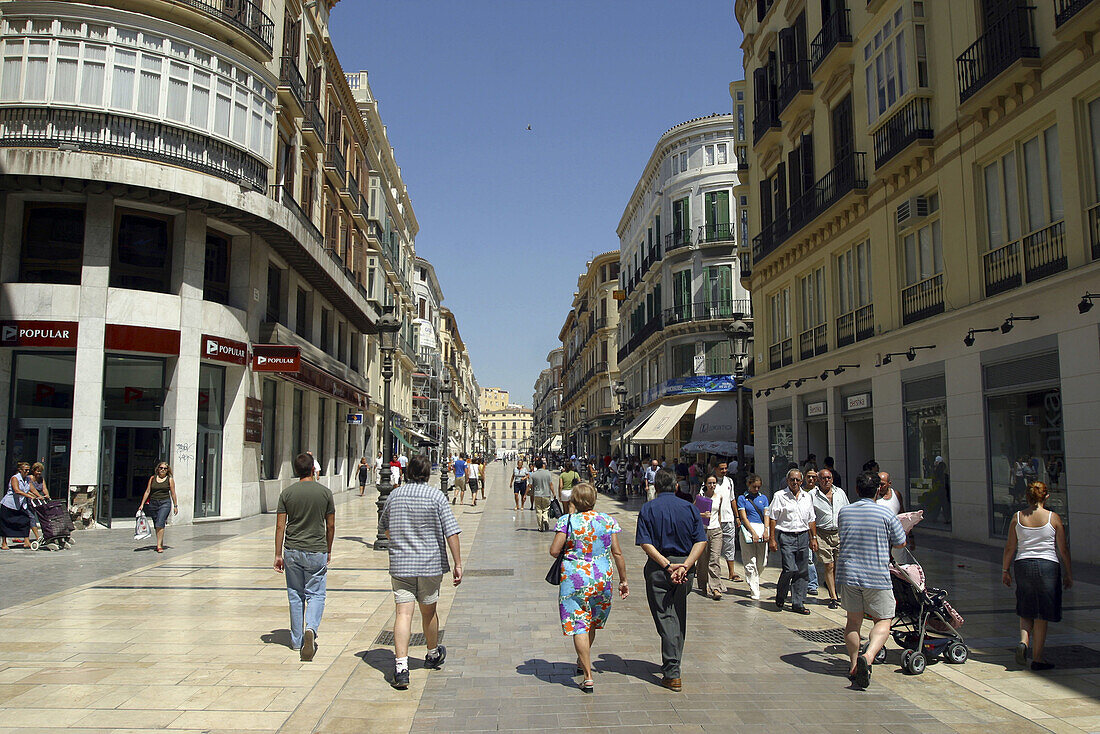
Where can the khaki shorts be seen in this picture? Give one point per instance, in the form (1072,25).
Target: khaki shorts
(828,541)
(424,589)
(875,603)
(460,483)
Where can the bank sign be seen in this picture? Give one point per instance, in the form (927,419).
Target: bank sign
(220,349)
(38,334)
(275,358)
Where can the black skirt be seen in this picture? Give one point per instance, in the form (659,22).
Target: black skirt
(1038,589)
(14,523)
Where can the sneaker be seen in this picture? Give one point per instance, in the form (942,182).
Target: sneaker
(435,662)
(1021,655)
(400,679)
(309,645)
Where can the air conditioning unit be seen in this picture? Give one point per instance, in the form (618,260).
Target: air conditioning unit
(912,210)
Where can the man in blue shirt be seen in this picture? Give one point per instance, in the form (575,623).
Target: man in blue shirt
(459,469)
(866,533)
(671,533)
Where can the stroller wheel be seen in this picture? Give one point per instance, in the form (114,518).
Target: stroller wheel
(880,656)
(916,663)
(956,653)
(35,545)
(905,655)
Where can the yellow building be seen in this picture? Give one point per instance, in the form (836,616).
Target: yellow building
(509,428)
(493,398)
(924,187)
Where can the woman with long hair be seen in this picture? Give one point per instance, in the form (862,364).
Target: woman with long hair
(160,493)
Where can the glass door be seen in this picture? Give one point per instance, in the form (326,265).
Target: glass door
(105,491)
(58,451)
(208,474)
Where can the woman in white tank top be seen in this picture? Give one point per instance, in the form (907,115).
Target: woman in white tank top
(1036,540)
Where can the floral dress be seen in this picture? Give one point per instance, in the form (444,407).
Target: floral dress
(584,596)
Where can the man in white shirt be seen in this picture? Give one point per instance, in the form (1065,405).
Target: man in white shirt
(827,500)
(723,498)
(793,532)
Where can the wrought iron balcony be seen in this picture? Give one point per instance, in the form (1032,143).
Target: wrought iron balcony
(244,15)
(1066,9)
(313,122)
(767,117)
(334,161)
(835,29)
(849,174)
(1004,42)
(285,194)
(291,79)
(159,142)
(796,79)
(780,354)
(912,122)
(708,311)
(1036,256)
(855,326)
(742,158)
(813,341)
(676,240)
(715,233)
(922,299)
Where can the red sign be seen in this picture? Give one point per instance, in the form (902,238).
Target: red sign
(318,379)
(275,358)
(38,334)
(125,338)
(220,349)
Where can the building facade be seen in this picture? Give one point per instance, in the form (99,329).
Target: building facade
(510,429)
(681,285)
(493,398)
(427,380)
(546,428)
(924,194)
(590,366)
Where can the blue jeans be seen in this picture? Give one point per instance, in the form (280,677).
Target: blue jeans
(812,587)
(305,587)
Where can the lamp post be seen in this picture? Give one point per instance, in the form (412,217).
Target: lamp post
(465,423)
(582,412)
(740,336)
(388,326)
(620,417)
(445,392)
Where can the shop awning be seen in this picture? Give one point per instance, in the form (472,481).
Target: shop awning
(454,445)
(424,438)
(662,422)
(635,424)
(401,438)
(716,419)
(555,443)
(547,443)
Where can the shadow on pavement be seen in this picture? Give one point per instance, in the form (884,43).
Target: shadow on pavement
(546,671)
(644,670)
(816,661)
(276,637)
(357,539)
(152,547)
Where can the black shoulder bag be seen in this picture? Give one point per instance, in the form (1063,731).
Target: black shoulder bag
(553,576)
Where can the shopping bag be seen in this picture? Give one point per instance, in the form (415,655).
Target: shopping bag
(555,509)
(142,527)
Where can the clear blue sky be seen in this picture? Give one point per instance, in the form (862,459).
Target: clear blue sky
(509,217)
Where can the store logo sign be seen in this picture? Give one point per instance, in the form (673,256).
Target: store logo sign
(276,358)
(859,402)
(38,334)
(221,349)
(815,409)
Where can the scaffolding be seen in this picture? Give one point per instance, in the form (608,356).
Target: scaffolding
(427,396)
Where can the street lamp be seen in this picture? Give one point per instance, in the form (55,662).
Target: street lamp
(465,423)
(445,392)
(582,412)
(388,326)
(620,415)
(740,336)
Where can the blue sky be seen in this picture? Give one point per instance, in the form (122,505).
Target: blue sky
(510,216)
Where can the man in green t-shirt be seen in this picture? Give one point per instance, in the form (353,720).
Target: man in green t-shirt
(304,528)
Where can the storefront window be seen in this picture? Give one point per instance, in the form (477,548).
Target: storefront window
(211,396)
(267,445)
(53,244)
(926,461)
(1025,445)
(40,426)
(781,452)
(296,423)
(319,452)
(133,388)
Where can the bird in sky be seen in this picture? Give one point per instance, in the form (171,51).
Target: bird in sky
(528,127)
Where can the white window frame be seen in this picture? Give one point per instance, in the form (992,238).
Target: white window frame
(886,65)
(854,278)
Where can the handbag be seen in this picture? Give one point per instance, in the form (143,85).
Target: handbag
(553,576)
(142,527)
(555,509)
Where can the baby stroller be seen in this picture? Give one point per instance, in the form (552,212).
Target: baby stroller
(925,625)
(57,527)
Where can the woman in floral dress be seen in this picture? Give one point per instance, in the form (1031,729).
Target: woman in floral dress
(584,597)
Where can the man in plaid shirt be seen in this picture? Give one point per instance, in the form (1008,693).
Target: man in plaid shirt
(421,527)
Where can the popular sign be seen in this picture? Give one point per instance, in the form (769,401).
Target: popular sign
(221,349)
(275,358)
(38,334)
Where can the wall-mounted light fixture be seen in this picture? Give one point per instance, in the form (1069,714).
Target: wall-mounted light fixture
(1086,302)
(1011,321)
(836,370)
(910,354)
(968,340)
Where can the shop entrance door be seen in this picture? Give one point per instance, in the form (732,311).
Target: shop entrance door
(208,474)
(47,441)
(128,456)
(817,440)
(859,447)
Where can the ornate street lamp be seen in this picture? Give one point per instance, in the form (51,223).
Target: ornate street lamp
(740,336)
(620,416)
(582,411)
(388,326)
(465,423)
(445,391)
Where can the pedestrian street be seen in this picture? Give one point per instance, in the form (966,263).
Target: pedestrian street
(196,641)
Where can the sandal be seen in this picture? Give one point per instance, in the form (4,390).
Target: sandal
(160,550)
(587,685)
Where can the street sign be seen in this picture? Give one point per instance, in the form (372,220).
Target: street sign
(355,419)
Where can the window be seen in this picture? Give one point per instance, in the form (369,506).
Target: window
(326,330)
(341,342)
(301,314)
(854,278)
(274,289)
(885,58)
(740,118)
(780,328)
(319,454)
(924,249)
(716,154)
(1040,199)
(683,360)
(215,284)
(133,388)
(681,294)
(53,244)
(718,290)
(142,253)
(812,292)
(718,360)
(681,219)
(296,423)
(268,457)
(1094,134)
(716,209)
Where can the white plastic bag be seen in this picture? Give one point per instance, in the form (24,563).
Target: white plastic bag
(142,527)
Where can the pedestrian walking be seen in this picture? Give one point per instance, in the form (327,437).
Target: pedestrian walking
(481,471)
(458,467)
(160,493)
(708,572)
(727,517)
(541,483)
(650,477)
(828,499)
(316,465)
(887,496)
(14,522)
(670,532)
(1036,541)
(809,484)
(519,484)
(473,479)
(38,489)
(867,532)
(566,479)
(791,529)
(364,475)
(421,529)
(591,543)
(305,525)
(752,508)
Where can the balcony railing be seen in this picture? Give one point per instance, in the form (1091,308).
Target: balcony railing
(742,158)
(676,240)
(313,120)
(795,80)
(1094,230)
(1066,9)
(654,325)
(601,323)
(285,194)
(855,326)
(922,299)
(1043,253)
(159,142)
(707,311)
(813,342)
(334,159)
(290,77)
(780,354)
(716,233)
(1004,42)
(835,29)
(849,174)
(243,15)
(912,122)
(767,117)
